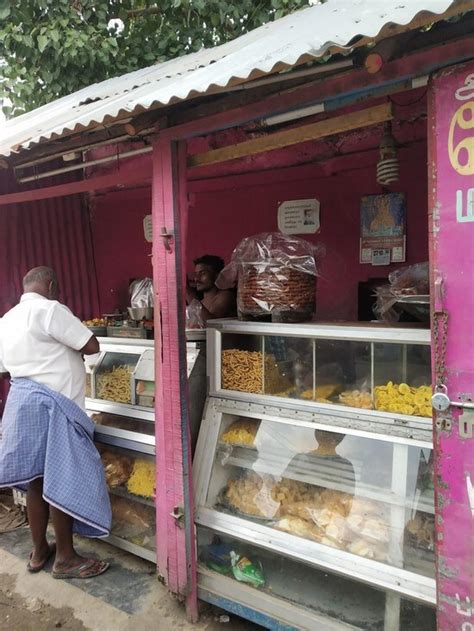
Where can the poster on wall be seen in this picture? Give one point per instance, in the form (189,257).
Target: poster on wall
(299,216)
(383,227)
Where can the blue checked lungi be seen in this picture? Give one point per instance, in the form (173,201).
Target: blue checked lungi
(45,434)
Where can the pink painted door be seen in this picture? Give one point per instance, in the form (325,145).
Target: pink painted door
(451,188)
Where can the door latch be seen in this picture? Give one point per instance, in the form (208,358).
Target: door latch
(166,238)
(178,516)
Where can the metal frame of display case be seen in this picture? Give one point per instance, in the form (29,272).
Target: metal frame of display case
(402,431)
(368,334)
(124,439)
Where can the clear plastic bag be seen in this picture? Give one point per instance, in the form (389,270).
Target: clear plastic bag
(194,319)
(142,293)
(412,281)
(275,275)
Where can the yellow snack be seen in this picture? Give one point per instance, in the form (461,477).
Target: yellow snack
(142,480)
(114,385)
(356,399)
(403,399)
(241,432)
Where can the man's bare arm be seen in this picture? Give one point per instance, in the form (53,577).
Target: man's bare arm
(92,346)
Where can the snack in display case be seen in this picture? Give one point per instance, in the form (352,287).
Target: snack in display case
(105,419)
(403,399)
(133,522)
(241,432)
(117,468)
(356,399)
(142,479)
(114,384)
(247,371)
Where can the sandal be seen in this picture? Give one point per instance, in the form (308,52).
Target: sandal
(87,569)
(34,569)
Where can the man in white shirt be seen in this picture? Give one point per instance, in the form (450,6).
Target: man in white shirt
(41,340)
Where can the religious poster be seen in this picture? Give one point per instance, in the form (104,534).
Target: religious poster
(382,226)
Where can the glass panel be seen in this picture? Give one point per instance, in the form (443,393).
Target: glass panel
(366,496)
(329,595)
(131,481)
(289,367)
(89,362)
(402,379)
(343,373)
(113,377)
(242,363)
(123,422)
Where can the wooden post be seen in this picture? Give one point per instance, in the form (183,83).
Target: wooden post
(175,534)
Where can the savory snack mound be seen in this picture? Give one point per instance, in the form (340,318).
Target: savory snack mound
(117,468)
(142,480)
(241,432)
(403,399)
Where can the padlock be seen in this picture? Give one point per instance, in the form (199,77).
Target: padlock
(440,400)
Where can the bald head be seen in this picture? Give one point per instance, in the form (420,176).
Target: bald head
(43,281)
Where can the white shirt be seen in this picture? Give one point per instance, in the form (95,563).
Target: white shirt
(40,340)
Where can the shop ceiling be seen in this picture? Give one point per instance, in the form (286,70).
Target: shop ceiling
(316,34)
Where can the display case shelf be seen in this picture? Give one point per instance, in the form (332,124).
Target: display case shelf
(121,409)
(332,476)
(379,575)
(119,492)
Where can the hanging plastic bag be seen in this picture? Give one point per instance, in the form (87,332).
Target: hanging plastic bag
(194,318)
(142,293)
(275,275)
(413,281)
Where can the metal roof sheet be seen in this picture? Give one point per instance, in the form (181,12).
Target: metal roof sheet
(305,35)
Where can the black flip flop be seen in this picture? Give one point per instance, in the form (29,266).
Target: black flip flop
(84,570)
(34,569)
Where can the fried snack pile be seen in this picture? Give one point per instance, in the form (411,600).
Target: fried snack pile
(241,432)
(142,480)
(114,385)
(243,371)
(356,399)
(327,516)
(403,399)
(117,468)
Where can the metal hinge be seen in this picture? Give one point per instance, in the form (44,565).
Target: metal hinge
(178,515)
(166,238)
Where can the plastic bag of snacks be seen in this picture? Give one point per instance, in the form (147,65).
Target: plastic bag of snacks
(275,276)
(409,281)
(142,293)
(194,319)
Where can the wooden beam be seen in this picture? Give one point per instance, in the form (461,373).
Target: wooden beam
(74,188)
(315,131)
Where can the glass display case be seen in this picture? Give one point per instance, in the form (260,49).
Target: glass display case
(317,448)
(370,368)
(130,477)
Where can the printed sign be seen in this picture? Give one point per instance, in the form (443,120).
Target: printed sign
(381,257)
(299,216)
(382,226)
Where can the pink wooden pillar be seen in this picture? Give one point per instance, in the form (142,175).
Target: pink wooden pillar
(175,524)
(451,185)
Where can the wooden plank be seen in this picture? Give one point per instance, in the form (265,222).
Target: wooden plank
(315,131)
(119,178)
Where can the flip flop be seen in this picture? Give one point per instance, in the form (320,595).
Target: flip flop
(87,569)
(34,569)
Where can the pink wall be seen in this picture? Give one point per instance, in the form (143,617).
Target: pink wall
(239,198)
(121,252)
(225,211)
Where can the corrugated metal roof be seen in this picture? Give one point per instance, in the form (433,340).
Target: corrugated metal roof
(305,35)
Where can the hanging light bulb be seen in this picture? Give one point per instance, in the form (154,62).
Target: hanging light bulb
(387,166)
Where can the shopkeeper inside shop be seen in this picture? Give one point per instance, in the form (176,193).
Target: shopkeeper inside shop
(215,302)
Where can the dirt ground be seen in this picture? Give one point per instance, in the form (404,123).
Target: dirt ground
(21,614)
